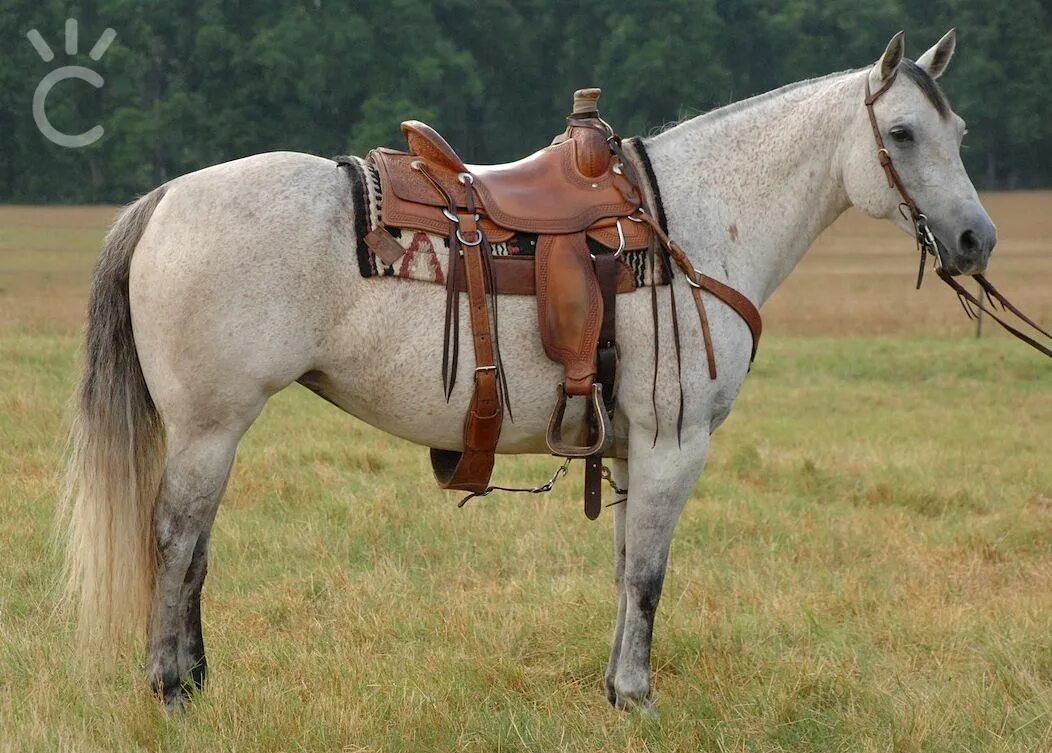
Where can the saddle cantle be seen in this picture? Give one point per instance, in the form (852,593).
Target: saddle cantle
(581,197)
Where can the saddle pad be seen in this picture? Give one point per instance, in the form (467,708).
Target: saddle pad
(426,255)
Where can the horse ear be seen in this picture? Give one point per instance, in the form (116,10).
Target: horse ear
(889,61)
(935,60)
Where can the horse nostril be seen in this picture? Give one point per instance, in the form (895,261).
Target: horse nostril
(970,243)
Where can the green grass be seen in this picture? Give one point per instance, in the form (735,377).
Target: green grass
(866,566)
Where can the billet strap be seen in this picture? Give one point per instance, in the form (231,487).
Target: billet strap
(606,375)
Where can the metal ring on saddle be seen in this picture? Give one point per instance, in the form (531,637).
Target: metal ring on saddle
(697,273)
(478,238)
(621,242)
(456,220)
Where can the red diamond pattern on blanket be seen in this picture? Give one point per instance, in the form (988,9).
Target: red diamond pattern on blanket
(421,261)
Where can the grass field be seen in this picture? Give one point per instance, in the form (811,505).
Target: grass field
(866,565)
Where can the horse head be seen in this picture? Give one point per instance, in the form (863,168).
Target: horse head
(906,126)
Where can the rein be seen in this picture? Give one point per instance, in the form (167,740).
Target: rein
(926,243)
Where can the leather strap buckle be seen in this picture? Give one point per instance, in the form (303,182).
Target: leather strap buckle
(555,425)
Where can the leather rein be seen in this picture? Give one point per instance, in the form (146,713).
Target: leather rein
(926,243)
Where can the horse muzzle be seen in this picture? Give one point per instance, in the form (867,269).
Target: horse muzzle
(970,253)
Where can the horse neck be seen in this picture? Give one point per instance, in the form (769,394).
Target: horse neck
(750,186)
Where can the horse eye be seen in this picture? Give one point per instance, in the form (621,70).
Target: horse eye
(901,134)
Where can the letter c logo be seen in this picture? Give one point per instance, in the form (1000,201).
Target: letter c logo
(40,97)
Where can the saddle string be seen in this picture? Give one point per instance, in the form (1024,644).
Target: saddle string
(451,328)
(927,244)
(491,285)
(697,283)
(450,335)
(451,355)
(632,177)
(679,354)
(652,258)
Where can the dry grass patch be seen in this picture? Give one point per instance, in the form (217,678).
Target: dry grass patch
(866,566)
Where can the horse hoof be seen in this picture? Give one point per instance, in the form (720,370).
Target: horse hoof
(176,704)
(644,708)
(175,696)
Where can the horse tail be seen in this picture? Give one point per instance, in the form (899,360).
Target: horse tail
(116,455)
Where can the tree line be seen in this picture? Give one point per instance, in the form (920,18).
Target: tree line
(189,83)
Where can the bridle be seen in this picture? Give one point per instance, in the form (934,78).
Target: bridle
(926,243)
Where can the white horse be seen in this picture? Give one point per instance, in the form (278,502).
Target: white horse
(222,287)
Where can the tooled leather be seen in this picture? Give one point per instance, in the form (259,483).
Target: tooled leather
(516,275)
(426,142)
(593,155)
(569,308)
(409,200)
(543,193)
(635,233)
(383,244)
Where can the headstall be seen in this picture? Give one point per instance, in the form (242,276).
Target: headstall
(927,244)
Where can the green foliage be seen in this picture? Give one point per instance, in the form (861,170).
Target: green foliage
(190,84)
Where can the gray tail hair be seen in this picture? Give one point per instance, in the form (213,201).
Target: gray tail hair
(116,455)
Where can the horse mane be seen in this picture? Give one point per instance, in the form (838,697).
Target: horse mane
(928,86)
(742,104)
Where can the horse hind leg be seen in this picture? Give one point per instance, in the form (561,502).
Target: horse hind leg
(195,477)
(191,656)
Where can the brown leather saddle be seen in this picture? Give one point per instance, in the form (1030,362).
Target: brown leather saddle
(581,198)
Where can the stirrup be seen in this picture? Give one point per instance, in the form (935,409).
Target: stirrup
(555,425)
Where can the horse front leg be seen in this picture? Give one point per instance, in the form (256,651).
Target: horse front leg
(619,476)
(662,478)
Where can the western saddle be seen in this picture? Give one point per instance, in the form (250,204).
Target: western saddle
(582,198)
